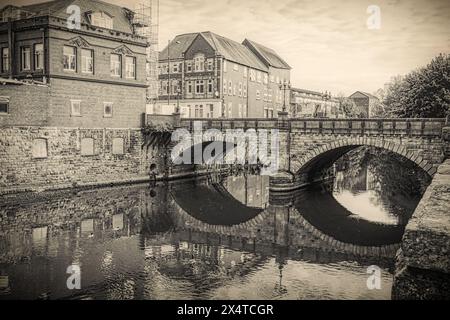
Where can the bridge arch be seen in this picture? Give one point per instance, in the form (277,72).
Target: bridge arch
(320,156)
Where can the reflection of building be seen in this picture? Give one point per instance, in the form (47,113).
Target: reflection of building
(365,103)
(312,104)
(208,76)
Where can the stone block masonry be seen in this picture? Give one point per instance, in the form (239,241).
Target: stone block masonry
(423,263)
(37,158)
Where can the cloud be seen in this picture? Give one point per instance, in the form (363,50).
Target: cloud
(326,42)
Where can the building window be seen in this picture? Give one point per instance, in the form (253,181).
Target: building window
(258,76)
(230,107)
(116,65)
(118,146)
(266,78)
(70,58)
(199,62)
(25,61)
(107,109)
(4,105)
(272,79)
(240,89)
(38,56)
(5,59)
(258,95)
(252,75)
(101,19)
(235,67)
(245,72)
(210,86)
(199,87)
(230,88)
(189,66)
(245,90)
(87,61)
(75,108)
(210,65)
(40,148)
(240,110)
(87,147)
(225,88)
(130,67)
(224,66)
(211,111)
(175,68)
(189,87)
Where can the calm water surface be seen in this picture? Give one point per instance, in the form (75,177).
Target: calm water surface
(214,238)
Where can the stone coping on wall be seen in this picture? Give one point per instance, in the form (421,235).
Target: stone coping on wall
(426,242)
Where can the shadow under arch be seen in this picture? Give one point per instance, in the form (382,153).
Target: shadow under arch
(319,208)
(324,156)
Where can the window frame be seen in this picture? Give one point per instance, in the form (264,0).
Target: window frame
(69,60)
(133,59)
(22,60)
(72,103)
(37,57)
(83,58)
(5,100)
(5,59)
(119,62)
(105,105)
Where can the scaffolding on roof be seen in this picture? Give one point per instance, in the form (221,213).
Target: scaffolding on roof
(146,24)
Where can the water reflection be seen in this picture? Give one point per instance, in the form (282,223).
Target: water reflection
(203,239)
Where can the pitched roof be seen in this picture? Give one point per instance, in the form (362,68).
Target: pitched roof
(58,8)
(269,56)
(371,96)
(306,91)
(229,49)
(178,46)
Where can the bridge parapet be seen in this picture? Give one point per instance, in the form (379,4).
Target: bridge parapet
(386,126)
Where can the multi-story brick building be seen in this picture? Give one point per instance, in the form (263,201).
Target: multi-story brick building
(56,73)
(312,104)
(72,95)
(210,76)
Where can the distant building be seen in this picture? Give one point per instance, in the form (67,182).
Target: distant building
(210,76)
(312,104)
(365,103)
(60,76)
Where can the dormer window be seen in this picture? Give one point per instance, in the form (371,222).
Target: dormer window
(101,19)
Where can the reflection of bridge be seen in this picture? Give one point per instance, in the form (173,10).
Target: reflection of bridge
(309,145)
(278,225)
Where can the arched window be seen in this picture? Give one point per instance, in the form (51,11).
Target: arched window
(199,62)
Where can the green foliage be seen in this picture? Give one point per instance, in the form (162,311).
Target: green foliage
(424,93)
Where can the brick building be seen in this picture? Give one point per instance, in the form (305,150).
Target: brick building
(210,76)
(72,96)
(91,75)
(313,104)
(365,103)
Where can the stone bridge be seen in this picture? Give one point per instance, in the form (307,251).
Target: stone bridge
(306,146)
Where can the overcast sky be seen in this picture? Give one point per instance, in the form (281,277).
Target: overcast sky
(326,42)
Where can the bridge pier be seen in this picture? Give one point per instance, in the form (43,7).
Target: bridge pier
(423,261)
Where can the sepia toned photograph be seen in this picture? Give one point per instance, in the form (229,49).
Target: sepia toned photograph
(247,151)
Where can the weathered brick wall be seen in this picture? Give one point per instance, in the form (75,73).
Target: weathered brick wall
(64,165)
(28,104)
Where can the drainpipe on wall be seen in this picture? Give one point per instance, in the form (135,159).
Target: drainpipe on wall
(11,48)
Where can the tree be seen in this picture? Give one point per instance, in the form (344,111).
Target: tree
(347,106)
(423,93)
